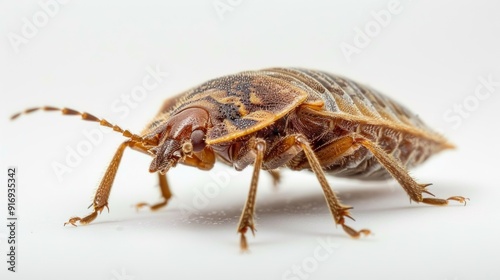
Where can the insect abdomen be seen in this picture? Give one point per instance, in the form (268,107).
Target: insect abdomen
(410,151)
(361,110)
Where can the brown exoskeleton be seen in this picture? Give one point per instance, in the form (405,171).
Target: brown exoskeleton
(280,117)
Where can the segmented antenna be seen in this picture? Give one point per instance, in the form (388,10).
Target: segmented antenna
(87,117)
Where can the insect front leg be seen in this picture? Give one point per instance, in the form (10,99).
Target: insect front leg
(162,181)
(399,173)
(166,194)
(203,160)
(246,219)
(102,194)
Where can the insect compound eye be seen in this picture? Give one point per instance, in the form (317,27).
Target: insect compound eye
(198,140)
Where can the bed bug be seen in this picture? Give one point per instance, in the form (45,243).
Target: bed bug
(280,117)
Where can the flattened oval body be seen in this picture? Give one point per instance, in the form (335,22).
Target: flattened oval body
(273,103)
(280,117)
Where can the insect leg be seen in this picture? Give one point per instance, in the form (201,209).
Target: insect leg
(338,210)
(165,193)
(399,173)
(246,219)
(275,175)
(102,194)
(162,179)
(203,160)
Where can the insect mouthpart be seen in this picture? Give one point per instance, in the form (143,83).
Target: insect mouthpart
(167,155)
(164,170)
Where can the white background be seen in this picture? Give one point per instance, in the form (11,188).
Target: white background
(429,56)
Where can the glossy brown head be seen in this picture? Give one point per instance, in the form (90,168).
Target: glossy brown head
(183,135)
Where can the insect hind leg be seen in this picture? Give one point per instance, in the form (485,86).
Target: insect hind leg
(412,188)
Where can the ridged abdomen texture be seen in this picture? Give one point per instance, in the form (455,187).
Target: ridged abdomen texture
(364,111)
